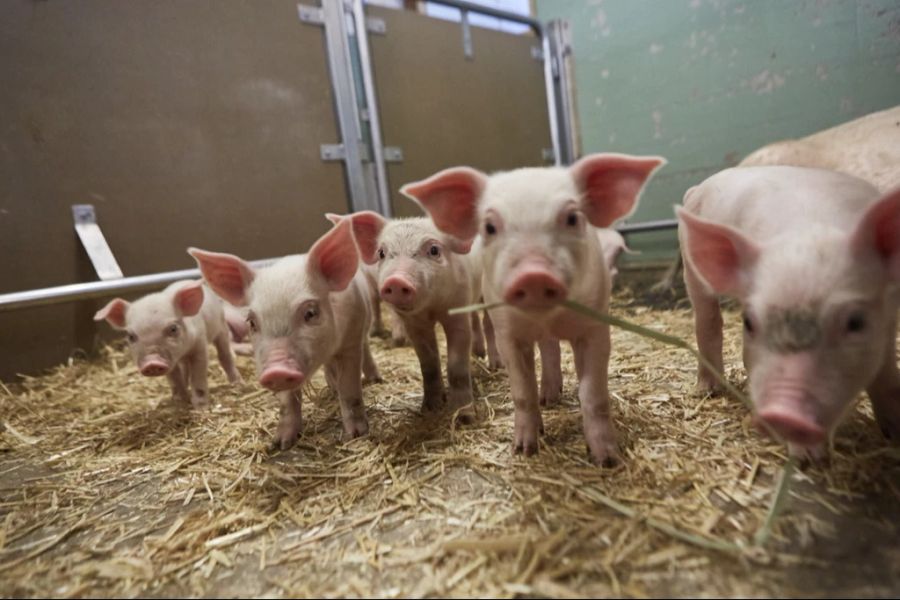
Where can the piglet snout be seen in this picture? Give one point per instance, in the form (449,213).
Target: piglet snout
(534,287)
(279,378)
(154,366)
(790,417)
(399,291)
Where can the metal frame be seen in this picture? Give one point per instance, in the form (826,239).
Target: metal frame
(367,188)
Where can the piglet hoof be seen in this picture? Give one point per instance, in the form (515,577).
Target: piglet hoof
(242,349)
(494,362)
(527,430)
(200,400)
(708,385)
(432,402)
(235,377)
(398,341)
(377,378)
(354,428)
(286,436)
(809,456)
(606,456)
(550,397)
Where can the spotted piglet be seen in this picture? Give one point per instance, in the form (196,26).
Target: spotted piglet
(540,248)
(304,311)
(168,332)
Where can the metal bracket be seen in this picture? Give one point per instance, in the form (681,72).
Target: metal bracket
(548,155)
(313,15)
(393,154)
(537,53)
(332,152)
(94,243)
(467,35)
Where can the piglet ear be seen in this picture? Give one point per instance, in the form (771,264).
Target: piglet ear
(720,255)
(367,226)
(879,231)
(113,313)
(451,199)
(334,256)
(188,299)
(227,275)
(334,218)
(611,184)
(457,245)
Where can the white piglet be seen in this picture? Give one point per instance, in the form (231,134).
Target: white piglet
(304,311)
(422,274)
(168,333)
(814,258)
(540,248)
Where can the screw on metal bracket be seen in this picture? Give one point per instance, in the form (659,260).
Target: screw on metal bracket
(94,243)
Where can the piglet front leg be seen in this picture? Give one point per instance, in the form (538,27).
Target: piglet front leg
(592,364)
(551,372)
(348,367)
(291,420)
(198,362)
(424,341)
(523,388)
(459,343)
(178,383)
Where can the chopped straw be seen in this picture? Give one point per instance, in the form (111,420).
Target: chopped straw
(109,488)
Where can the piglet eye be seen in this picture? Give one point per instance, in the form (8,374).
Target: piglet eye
(490,229)
(572,219)
(310,312)
(172,330)
(748,324)
(251,322)
(381,254)
(131,338)
(434,250)
(856,322)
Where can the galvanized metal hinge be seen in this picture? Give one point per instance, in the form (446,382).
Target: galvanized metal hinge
(537,53)
(332,152)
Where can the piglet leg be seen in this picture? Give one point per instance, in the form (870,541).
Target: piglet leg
(523,388)
(708,328)
(370,369)
(494,360)
(291,420)
(222,343)
(459,376)
(348,367)
(178,382)
(884,391)
(592,364)
(551,372)
(198,363)
(424,342)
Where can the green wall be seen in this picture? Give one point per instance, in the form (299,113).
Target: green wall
(705,82)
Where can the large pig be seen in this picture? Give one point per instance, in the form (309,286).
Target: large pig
(422,274)
(867,147)
(304,311)
(813,256)
(168,332)
(540,248)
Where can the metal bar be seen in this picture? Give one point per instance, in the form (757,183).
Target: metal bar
(339,65)
(99,289)
(560,48)
(371,98)
(494,12)
(648,226)
(94,242)
(550,85)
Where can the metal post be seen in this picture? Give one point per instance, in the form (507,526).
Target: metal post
(339,65)
(559,55)
(365,60)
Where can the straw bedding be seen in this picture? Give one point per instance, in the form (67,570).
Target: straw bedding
(108,489)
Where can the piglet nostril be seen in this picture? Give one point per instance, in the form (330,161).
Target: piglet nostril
(550,293)
(405,291)
(520,294)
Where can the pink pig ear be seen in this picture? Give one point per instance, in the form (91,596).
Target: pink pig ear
(113,313)
(189,298)
(879,230)
(451,199)
(367,226)
(335,257)
(721,255)
(458,246)
(226,274)
(611,184)
(334,218)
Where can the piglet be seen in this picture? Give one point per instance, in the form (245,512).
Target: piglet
(304,311)
(422,274)
(540,248)
(168,332)
(612,244)
(814,258)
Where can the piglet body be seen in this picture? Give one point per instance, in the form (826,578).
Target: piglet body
(814,258)
(422,274)
(304,312)
(168,333)
(539,248)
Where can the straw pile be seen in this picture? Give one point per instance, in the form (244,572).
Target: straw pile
(107,489)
